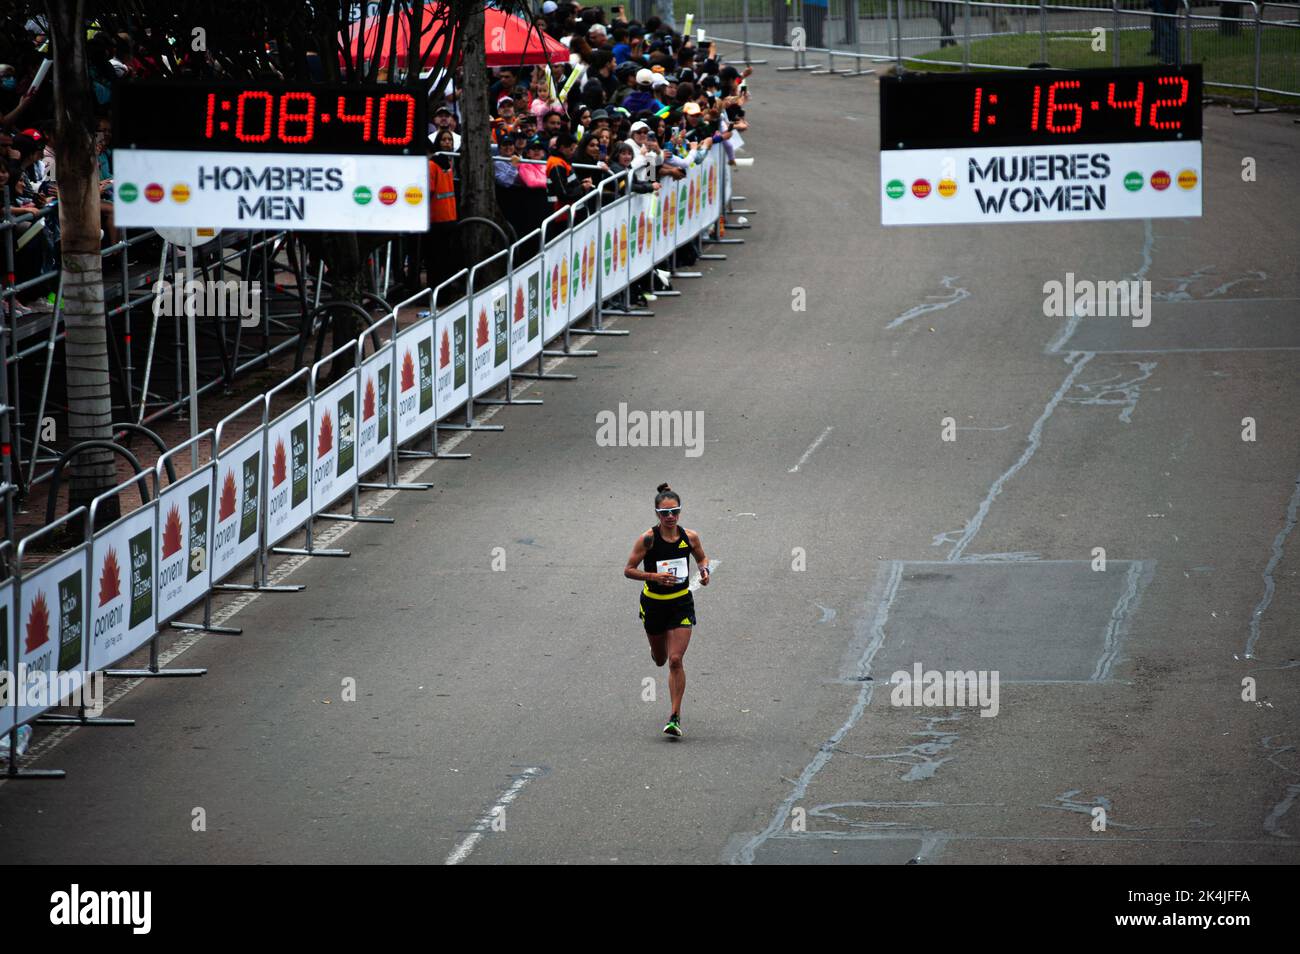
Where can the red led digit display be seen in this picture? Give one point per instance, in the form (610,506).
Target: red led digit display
(302,118)
(1041,107)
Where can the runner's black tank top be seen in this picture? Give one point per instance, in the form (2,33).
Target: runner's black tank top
(665,557)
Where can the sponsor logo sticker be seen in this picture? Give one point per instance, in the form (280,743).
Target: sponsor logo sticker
(413,195)
(129,192)
(361,195)
(921,188)
(153,192)
(1187,179)
(387,195)
(1160,180)
(947,188)
(181,193)
(894,188)
(1133,181)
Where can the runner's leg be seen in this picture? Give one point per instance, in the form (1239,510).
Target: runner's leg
(658,647)
(679,638)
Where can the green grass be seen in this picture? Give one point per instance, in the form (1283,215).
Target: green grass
(1224,59)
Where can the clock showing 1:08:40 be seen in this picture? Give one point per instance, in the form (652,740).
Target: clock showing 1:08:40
(269,118)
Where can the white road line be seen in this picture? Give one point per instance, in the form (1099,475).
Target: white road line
(745,856)
(808,452)
(322,539)
(955,295)
(483,824)
(1035,441)
(1279,542)
(1072,324)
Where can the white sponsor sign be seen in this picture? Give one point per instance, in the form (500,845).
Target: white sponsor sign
(491,351)
(122,586)
(238,507)
(288,482)
(613,247)
(582,267)
(270,190)
(184,541)
(7,651)
(526,320)
(1041,183)
(375,434)
(640,235)
(415,357)
(334,458)
(555,288)
(665,224)
(451,358)
(52,624)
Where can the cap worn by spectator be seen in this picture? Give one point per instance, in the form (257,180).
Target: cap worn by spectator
(644,77)
(638,126)
(549,7)
(691,109)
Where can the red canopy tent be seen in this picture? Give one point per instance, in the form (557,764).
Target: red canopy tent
(510,40)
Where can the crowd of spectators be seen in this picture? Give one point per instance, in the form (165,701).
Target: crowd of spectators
(646,98)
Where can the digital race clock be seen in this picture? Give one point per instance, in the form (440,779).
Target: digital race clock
(1041,146)
(269,117)
(270,155)
(1041,107)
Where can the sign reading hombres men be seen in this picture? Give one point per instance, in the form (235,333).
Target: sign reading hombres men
(1043,145)
(258,155)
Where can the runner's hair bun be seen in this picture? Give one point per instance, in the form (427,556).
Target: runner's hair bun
(664,488)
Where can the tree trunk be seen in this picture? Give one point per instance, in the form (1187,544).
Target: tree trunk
(90,408)
(478,197)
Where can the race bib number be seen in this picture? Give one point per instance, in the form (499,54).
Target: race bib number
(676,567)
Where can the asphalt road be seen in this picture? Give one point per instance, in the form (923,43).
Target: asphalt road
(852,541)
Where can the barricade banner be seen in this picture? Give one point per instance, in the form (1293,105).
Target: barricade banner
(375,437)
(288,492)
(640,235)
(491,336)
(451,384)
(666,220)
(613,246)
(586,247)
(526,320)
(238,507)
(712,187)
(184,570)
(52,626)
(334,424)
(7,651)
(415,407)
(122,587)
(555,287)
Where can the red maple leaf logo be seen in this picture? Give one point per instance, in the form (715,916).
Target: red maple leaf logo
(280,467)
(227,505)
(368,403)
(326,438)
(38,624)
(110,578)
(444,351)
(408,371)
(519,304)
(171,540)
(481,337)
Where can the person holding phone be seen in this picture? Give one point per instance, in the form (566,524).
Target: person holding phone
(660,559)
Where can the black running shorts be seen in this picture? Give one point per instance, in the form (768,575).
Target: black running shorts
(662,615)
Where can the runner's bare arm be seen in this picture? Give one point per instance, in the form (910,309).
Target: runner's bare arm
(701,560)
